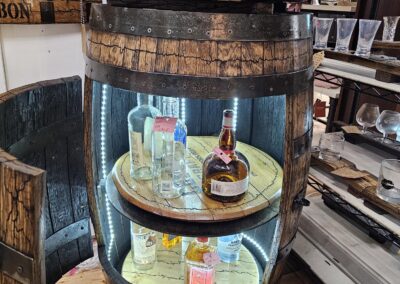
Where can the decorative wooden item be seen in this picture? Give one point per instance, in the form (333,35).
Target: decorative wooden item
(40,12)
(265,185)
(44,214)
(264,60)
(361,183)
(169,268)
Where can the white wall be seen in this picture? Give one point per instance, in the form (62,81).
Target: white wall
(32,53)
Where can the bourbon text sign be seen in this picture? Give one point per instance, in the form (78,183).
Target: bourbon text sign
(39,12)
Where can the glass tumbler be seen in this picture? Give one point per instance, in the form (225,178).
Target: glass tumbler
(389,181)
(345,28)
(389,28)
(322,29)
(366,35)
(331,146)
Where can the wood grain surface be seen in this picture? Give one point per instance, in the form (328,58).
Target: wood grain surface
(364,186)
(265,186)
(202,58)
(169,268)
(39,12)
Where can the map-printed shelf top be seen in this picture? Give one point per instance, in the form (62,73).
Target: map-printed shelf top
(264,186)
(169,268)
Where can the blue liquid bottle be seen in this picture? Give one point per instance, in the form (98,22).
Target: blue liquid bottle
(229,247)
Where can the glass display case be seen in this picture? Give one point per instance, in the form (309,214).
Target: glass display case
(194,66)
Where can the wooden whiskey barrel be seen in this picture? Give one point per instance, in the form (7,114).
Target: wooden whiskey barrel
(44,212)
(208,58)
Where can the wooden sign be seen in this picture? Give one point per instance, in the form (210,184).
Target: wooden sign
(39,12)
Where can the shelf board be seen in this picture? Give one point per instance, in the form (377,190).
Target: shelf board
(169,268)
(378,44)
(390,68)
(264,186)
(185,228)
(329,8)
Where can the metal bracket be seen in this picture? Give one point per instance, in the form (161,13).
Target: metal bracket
(302,144)
(299,201)
(283,252)
(66,235)
(15,264)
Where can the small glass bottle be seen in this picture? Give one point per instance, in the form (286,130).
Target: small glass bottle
(143,246)
(225,174)
(196,270)
(229,247)
(140,124)
(168,154)
(169,241)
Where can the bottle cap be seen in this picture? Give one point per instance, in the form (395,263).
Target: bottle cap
(227,121)
(202,239)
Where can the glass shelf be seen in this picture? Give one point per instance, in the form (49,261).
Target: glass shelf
(178,227)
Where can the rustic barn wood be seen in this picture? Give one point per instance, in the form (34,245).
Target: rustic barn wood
(271,74)
(42,126)
(40,12)
(265,186)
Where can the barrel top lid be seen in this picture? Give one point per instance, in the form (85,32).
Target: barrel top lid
(200,26)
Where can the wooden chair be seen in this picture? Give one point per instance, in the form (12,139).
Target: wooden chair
(44,212)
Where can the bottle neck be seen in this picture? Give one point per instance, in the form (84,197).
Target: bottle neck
(227,137)
(171,107)
(144,99)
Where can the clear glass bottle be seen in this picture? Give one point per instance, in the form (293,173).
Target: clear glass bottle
(168,154)
(229,247)
(143,246)
(225,181)
(196,270)
(140,124)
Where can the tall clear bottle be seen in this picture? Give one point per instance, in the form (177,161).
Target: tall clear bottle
(143,246)
(140,124)
(168,154)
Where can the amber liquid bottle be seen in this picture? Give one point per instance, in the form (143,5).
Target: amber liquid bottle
(225,181)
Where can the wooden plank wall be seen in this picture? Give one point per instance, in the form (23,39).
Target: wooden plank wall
(41,124)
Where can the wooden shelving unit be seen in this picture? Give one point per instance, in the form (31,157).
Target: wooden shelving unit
(329,8)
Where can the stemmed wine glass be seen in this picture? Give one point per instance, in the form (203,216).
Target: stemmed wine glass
(387,123)
(367,115)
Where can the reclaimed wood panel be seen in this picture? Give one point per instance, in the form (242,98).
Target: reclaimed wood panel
(39,12)
(200,58)
(22,190)
(264,186)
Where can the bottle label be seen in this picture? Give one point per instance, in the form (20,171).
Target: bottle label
(200,275)
(227,122)
(137,155)
(164,124)
(144,247)
(224,188)
(229,246)
(221,154)
(211,258)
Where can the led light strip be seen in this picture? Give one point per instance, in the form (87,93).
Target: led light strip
(235,110)
(183,110)
(103,128)
(257,246)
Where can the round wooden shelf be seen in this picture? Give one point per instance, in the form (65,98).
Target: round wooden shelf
(264,187)
(169,268)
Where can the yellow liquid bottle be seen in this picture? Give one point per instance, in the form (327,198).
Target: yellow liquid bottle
(170,241)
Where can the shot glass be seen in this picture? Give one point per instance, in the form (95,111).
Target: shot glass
(345,28)
(366,35)
(331,146)
(389,181)
(322,29)
(389,28)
